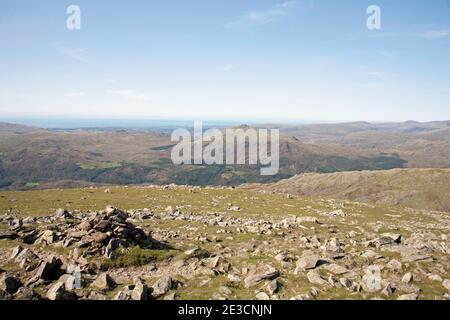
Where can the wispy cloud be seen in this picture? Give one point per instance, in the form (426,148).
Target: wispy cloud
(436,34)
(376,74)
(225,68)
(132,95)
(262,17)
(387,54)
(373,86)
(77,54)
(75,95)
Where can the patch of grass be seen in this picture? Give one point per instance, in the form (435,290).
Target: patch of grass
(136,257)
(31,184)
(431,290)
(11,267)
(163,148)
(193,291)
(99,165)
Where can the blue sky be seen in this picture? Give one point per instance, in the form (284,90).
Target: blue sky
(305,60)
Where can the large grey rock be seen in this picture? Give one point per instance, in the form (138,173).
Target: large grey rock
(410,296)
(70,282)
(446,284)
(104,282)
(272,287)
(395,265)
(5,295)
(122,295)
(27,259)
(257,278)
(162,286)
(384,240)
(113,244)
(336,269)
(84,226)
(63,214)
(315,278)
(345,282)
(371,255)
(103,226)
(140,291)
(25,294)
(394,236)
(50,269)
(48,237)
(407,278)
(58,292)
(96,296)
(29,236)
(15,252)
(307,262)
(409,254)
(262,296)
(10,283)
(11,235)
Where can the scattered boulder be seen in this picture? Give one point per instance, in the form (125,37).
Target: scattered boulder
(122,295)
(315,278)
(85,226)
(140,291)
(5,295)
(371,255)
(257,278)
(70,282)
(337,213)
(171,296)
(395,265)
(306,262)
(446,284)
(345,282)
(58,292)
(262,296)
(10,283)
(50,269)
(388,290)
(410,254)
(410,296)
(63,214)
(114,244)
(162,286)
(26,294)
(225,290)
(48,237)
(407,278)
(197,252)
(96,296)
(27,260)
(11,235)
(336,269)
(104,282)
(435,277)
(272,287)
(386,239)
(15,252)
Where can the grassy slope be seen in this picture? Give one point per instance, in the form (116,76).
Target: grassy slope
(118,157)
(252,204)
(417,188)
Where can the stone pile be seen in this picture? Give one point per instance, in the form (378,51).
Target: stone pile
(101,232)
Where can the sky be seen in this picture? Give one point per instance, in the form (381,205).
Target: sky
(301,60)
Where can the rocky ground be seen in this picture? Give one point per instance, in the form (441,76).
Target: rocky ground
(212,243)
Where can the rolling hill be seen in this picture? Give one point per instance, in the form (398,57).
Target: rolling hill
(34,158)
(416,188)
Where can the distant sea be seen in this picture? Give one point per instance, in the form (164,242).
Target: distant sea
(162,125)
(142,124)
